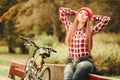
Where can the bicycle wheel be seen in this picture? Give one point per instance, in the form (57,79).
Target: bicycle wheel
(44,74)
(32,77)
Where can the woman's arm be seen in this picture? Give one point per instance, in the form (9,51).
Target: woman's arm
(64,12)
(103,21)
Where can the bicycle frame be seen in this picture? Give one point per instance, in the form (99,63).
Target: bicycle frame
(33,63)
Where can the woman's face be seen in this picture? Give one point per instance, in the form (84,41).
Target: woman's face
(82,16)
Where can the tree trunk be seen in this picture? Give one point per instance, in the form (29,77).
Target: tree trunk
(54,31)
(24,50)
(10,47)
(11,50)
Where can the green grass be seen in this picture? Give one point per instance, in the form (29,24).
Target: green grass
(4,72)
(3,49)
(4,69)
(4,62)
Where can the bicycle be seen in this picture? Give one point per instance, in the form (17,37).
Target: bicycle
(33,71)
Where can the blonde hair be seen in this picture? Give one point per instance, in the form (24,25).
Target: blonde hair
(70,33)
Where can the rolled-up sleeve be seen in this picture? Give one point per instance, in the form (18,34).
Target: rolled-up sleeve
(63,13)
(103,21)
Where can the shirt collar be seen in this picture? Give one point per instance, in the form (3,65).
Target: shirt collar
(83,30)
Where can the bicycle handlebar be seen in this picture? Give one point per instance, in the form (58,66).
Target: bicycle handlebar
(33,43)
(29,41)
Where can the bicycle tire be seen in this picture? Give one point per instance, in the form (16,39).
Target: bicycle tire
(32,77)
(44,74)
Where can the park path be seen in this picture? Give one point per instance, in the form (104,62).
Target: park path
(15,58)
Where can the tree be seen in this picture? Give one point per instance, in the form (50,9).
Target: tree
(5,5)
(9,34)
(9,30)
(114,11)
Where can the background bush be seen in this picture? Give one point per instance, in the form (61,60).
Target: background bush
(47,40)
(106,53)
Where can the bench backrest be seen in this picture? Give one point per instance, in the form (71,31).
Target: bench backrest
(17,69)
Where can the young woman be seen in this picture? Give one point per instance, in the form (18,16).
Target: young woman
(79,41)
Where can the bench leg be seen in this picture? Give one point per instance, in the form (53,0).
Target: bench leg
(11,76)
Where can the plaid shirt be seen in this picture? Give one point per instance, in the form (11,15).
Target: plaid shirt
(78,49)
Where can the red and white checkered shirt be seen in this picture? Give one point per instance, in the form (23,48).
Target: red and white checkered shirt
(78,49)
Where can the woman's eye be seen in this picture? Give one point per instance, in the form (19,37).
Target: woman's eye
(83,13)
(86,14)
(80,12)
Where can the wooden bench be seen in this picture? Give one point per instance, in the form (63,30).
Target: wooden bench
(17,69)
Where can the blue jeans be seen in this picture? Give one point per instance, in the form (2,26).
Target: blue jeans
(81,71)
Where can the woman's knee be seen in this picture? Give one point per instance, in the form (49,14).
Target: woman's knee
(82,70)
(85,65)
